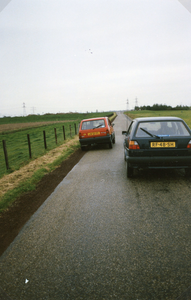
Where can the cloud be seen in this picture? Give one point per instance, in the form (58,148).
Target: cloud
(138,49)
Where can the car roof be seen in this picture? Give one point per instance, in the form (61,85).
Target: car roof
(92,119)
(152,119)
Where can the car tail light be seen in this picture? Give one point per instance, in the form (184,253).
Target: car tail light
(189,144)
(133,145)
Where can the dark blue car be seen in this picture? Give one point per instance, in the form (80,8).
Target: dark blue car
(156,143)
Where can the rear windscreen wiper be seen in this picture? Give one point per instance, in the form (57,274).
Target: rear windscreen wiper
(153,135)
(98,126)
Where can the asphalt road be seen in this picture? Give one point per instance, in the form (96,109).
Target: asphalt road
(103,236)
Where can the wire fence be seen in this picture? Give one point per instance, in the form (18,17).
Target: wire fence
(18,148)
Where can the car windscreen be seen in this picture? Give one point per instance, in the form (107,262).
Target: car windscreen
(162,128)
(93,124)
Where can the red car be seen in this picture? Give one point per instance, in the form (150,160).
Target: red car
(96,131)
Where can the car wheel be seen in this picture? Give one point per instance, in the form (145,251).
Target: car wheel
(83,148)
(124,156)
(114,140)
(129,170)
(110,144)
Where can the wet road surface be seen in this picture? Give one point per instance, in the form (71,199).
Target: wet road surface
(103,236)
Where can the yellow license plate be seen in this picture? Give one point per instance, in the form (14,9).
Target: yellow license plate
(94,133)
(163,144)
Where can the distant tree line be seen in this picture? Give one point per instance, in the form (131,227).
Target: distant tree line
(161,107)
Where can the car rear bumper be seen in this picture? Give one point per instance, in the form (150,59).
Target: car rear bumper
(95,140)
(159,162)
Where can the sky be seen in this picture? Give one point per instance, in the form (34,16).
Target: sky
(93,55)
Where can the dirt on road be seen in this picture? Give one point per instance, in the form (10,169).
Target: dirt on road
(13,219)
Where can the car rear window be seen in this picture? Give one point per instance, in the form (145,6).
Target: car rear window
(93,124)
(162,128)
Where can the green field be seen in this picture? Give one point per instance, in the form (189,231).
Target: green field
(52,117)
(17,142)
(184,114)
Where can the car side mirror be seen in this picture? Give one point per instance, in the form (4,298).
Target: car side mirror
(124,132)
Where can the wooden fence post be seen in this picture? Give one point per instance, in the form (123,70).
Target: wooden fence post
(44,134)
(6,155)
(64,132)
(70,131)
(29,144)
(75,128)
(55,135)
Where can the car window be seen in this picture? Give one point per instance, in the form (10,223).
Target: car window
(130,128)
(169,128)
(93,124)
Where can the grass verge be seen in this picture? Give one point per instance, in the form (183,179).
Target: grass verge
(26,179)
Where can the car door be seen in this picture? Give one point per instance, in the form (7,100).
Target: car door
(126,140)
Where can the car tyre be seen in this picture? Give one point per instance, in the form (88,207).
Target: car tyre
(124,156)
(129,170)
(83,148)
(110,144)
(114,140)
